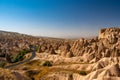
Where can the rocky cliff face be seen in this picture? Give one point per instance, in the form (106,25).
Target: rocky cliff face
(109,32)
(106,45)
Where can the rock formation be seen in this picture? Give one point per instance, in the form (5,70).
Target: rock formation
(105,45)
(83,59)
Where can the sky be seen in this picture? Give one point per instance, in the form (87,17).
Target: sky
(59,18)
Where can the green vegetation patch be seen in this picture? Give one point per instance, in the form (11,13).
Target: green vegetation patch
(2,64)
(20,55)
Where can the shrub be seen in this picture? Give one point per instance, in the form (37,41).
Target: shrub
(2,64)
(82,73)
(47,63)
(17,58)
(20,55)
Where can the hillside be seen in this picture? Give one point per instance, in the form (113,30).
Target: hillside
(61,59)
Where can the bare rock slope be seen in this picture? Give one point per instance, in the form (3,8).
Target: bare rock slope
(99,57)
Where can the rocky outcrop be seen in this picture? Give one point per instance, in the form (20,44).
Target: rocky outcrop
(69,54)
(108,73)
(106,45)
(65,50)
(52,51)
(86,48)
(109,33)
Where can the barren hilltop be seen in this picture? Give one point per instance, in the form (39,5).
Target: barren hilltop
(60,59)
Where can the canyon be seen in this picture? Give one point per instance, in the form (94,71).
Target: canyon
(95,58)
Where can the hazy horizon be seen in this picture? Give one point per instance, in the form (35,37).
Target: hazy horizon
(59,18)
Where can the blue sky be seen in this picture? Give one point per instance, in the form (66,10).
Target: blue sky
(59,18)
